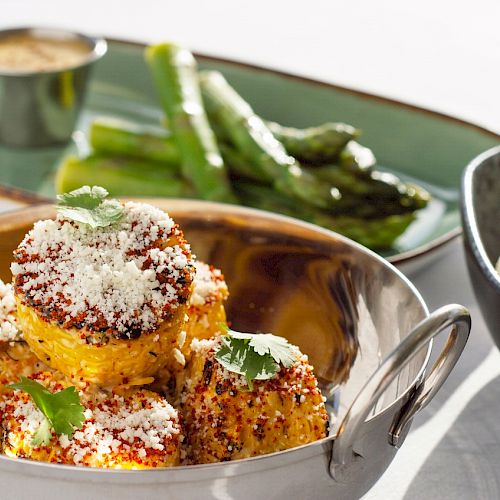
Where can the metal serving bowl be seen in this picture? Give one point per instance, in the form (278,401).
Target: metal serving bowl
(40,108)
(480,204)
(364,326)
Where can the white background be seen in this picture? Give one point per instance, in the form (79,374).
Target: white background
(443,54)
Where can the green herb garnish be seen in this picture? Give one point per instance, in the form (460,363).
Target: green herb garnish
(88,205)
(63,410)
(256,356)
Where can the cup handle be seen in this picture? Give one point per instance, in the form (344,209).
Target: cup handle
(343,455)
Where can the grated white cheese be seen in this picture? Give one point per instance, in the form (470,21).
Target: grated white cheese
(203,345)
(207,283)
(32,417)
(179,357)
(9,331)
(206,347)
(115,425)
(109,274)
(181,339)
(134,426)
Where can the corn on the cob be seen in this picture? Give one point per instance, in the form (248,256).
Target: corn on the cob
(105,305)
(16,358)
(206,306)
(206,314)
(225,421)
(9,328)
(137,430)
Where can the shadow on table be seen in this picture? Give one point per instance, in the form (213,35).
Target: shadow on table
(441,283)
(466,462)
(475,353)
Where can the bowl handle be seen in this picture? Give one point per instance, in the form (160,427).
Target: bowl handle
(343,456)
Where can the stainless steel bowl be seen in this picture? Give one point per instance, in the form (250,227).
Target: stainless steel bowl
(362,323)
(40,108)
(480,208)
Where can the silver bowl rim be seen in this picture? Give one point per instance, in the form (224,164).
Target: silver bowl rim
(469,220)
(314,448)
(98,47)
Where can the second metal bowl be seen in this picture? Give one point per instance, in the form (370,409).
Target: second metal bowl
(40,108)
(481,222)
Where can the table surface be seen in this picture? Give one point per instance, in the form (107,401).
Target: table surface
(441,55)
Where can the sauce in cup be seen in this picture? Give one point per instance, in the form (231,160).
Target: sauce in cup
(25,52)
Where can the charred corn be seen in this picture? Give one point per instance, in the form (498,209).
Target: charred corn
(105,304)
(226,421)
(206,314)
(206,307)
(137,430)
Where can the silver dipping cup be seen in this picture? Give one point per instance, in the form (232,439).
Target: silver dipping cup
(40,108)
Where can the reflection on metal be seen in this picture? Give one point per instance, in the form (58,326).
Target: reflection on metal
(345,461)
(344,306)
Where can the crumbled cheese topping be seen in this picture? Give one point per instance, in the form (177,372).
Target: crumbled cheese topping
(29,415)
(208,284)
(122,424)
(116,429)
(179,357)
(281,412)
(9,331)
(204,345)
(121,278)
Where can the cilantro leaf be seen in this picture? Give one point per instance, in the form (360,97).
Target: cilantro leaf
(277,347)
(84,197)
(254,358)
(267,343)
(88,205)
(68,413)
(63,410)
(43,435)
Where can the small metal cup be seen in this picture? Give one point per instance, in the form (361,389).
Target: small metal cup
(40,108)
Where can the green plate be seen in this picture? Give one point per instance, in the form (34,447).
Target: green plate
(430,148)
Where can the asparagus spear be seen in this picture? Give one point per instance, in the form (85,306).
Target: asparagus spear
(174,72)
(376,232)
(356,157)
(364,192)
(252,139)
(238,165)
(369,192)
(373,192)
(120,176)
(314,145)
(120,137)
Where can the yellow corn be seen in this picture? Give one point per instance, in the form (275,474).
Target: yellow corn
(127,362)
(16,360)
(18,432)
(225,421)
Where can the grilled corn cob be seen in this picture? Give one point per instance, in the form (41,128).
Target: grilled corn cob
(206,314)
(137,430)
(16,358)
(105,305)
(206,305)
(226,421)
(9,328)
